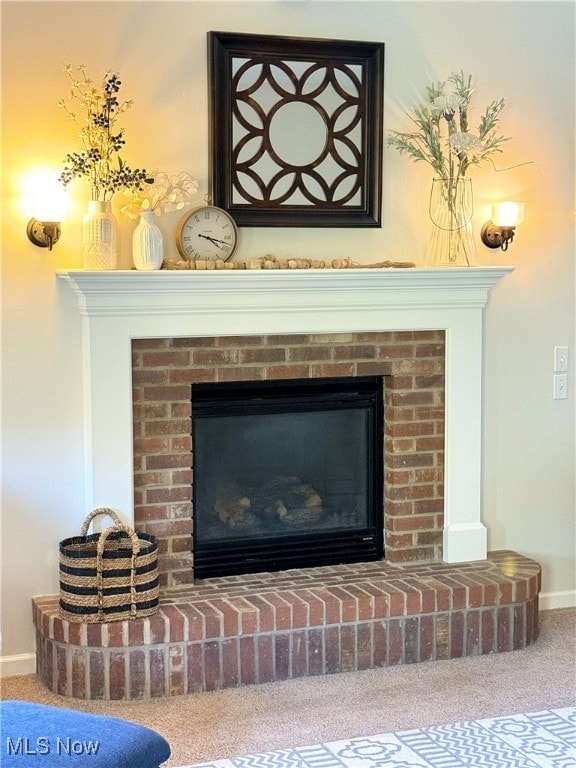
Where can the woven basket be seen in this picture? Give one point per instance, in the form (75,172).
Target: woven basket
(108,576)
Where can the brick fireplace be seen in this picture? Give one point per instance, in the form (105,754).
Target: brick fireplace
(412,366)
(437,594)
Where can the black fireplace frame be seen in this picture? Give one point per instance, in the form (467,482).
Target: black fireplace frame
(365,544)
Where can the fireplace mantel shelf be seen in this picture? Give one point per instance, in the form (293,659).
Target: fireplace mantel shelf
(119,306)
(180,292)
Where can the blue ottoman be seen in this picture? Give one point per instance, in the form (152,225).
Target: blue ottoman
(37,735)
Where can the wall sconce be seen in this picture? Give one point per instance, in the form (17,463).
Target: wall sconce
(46,202)
(44,234)
(499,232)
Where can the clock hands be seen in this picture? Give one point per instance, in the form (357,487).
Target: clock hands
(214,241)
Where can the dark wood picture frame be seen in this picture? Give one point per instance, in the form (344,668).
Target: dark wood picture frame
(336,85)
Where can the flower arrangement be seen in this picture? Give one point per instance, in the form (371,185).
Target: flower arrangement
(165,193)
(443,138)
(102,140)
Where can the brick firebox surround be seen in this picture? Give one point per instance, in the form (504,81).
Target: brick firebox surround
(237,630)
(412,366)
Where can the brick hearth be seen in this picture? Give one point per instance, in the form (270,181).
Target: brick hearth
(235,631)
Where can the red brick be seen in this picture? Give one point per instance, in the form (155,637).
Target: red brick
(117,674)
(503,630)
(167,495)
(264,355)
(157,662)
(168,393)
(332,650)
(473,633)
(411,640)
(151,444)
(265,658)
(116,634)
(299,354)
(299,653)
(248,675)
(142,377)
(274,372)
(212,666)
(380,643)
(195,665)
(241,373)
(348,650)
(457,637)
(176,681)
(137,674)
(281,656)
(96,677)
(323,370)
(213,358)
(442,636)
(190,376)
(395,632)
(316,663)
(364,646)
(78,674)
(230,663)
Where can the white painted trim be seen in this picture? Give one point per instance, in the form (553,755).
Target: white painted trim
(118,306)
(549,601)
(18,664)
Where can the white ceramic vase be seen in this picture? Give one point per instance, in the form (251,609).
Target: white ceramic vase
(99,236)
(147,243)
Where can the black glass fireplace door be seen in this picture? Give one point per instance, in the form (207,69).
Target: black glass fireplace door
(286,474)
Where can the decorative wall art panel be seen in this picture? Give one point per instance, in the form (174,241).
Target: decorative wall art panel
(296,130)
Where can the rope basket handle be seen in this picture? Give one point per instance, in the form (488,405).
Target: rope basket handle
(99,554)
(95,512)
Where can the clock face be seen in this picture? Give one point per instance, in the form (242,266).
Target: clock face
(206,233)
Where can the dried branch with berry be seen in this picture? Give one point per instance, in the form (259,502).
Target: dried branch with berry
(99,160)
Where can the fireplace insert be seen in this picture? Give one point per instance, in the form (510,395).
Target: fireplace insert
(287,474)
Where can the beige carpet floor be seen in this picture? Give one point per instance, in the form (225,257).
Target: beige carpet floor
(208,726)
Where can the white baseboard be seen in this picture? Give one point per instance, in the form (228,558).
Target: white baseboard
(548,601)
(19,664)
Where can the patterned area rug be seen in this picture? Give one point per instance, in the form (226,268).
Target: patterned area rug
(536,740)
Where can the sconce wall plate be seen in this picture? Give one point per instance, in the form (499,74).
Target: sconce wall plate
(494,236)
(44,234)
(296,130)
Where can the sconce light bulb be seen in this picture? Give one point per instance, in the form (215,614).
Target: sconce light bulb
(507,214)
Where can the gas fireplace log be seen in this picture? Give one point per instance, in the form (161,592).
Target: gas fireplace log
(232,505)
(285,499)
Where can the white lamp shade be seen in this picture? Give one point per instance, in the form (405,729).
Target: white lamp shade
(507,214)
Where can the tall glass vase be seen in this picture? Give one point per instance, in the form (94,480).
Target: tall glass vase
(99,236)
(147,243)
(451,241)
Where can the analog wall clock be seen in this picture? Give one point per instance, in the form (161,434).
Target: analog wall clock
(206,233)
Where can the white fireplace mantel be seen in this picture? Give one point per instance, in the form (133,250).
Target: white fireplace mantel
(119,306)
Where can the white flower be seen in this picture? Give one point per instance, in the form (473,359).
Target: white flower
(447,103)
(165,194)
(465,143)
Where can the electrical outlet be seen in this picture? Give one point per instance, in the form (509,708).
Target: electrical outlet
(560,359)
(560,386)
